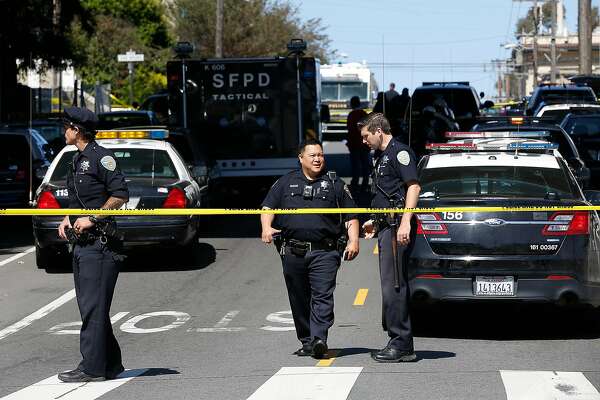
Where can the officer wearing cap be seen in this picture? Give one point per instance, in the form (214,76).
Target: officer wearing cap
(310,249)
(94,181)
(395,185)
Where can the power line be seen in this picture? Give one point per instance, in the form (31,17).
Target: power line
(441,42)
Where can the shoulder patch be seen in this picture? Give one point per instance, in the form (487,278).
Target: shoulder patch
(109,163)
(403,157)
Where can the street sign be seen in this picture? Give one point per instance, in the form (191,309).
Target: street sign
(130,56)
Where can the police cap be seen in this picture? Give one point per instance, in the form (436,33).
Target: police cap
(82,117)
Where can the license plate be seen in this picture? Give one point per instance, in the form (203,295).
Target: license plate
(494,286)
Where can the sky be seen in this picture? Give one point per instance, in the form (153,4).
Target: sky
(419,40)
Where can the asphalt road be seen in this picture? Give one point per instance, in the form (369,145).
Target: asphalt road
(219,328)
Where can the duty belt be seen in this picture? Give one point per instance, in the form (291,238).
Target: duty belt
(300,248)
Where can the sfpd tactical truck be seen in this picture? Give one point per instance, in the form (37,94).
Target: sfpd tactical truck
(244,118)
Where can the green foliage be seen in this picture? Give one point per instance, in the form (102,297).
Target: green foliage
(36,29)
(527,23)
(251,28)
(120,26)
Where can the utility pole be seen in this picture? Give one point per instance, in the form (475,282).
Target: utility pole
(219,30)
(553,45)
(535,46)
(585,36)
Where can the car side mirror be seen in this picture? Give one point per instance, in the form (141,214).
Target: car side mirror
(325,114)
(199,173)
(487,104)
(581,172)
(593,196)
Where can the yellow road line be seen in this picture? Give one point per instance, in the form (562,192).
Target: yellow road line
(331,355)
(376,249)
(361,296)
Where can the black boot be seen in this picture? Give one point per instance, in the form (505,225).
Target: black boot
(390,355)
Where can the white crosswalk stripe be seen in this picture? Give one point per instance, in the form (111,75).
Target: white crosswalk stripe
(548,385)
(51,388)
(309,383)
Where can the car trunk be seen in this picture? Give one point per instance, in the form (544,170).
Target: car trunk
(504,234)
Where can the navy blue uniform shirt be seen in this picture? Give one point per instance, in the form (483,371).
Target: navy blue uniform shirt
(395,166)
(288,192)
(95,176)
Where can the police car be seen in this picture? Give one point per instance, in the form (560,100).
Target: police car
(541,256)
(156,177)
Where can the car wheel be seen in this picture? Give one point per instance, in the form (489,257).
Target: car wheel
(51,258)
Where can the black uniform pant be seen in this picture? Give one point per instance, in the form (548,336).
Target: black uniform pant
(361,165)
(310,282)
(95,270)
(396,318)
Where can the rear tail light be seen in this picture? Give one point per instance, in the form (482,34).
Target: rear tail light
(427,225)
(175,199)
(559,277)
(430,276)
(576,223)
(47,200)
(20,176)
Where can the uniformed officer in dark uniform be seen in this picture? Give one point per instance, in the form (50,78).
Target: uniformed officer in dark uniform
(395,184)
(310,251)
(94,181)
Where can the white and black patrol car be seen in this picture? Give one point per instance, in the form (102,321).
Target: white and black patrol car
(539,256)
(156,176)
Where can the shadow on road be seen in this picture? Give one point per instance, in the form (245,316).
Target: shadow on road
(159,259)
(15,232)
(507,322)
(160,372)
(164,259)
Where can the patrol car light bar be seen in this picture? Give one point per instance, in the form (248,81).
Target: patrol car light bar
(497,135)
(451,146)
(532,146)
(140,134)
(492,147)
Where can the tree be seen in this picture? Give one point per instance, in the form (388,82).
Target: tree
(122,25)
(34,30)
(527,23)
(251,28)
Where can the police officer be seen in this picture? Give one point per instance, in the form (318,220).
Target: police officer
(395,184)
(94,181)
(310,249)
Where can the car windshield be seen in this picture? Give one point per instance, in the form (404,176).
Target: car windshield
(461,101)
(557,115)
(557,136)
(344,90)
(584,94)
(134,163)
(495,181)
(585,132)
(123,120)
(584,126)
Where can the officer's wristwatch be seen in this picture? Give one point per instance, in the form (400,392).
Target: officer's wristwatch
(93,219)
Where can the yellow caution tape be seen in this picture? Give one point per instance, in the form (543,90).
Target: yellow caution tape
(231,211)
